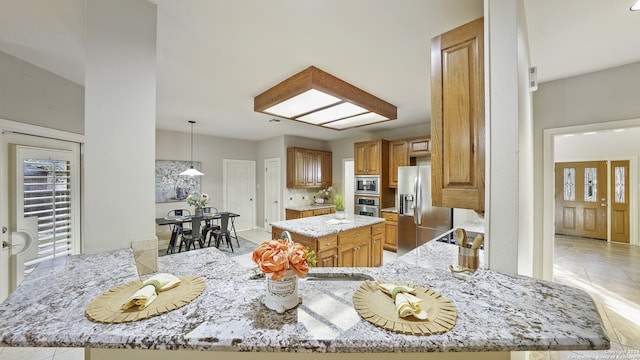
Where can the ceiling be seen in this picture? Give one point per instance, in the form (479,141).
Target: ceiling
(214,56)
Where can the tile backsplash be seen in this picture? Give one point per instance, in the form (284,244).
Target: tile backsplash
(300,197)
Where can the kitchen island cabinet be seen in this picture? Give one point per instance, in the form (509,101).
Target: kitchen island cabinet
(349,242)
(496,313)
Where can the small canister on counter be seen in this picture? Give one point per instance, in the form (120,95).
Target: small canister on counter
(468,258)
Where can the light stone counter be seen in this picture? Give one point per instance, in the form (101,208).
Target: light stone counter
(310,207)
(496,312)
(323,225)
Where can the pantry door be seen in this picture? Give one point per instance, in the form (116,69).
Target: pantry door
(581,199)
(620,226)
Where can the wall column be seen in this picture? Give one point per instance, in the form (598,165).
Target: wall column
(120,114)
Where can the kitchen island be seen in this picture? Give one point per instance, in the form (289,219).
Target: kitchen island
(496,313)
(356,241)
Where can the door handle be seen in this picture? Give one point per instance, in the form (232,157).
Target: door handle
(5,244)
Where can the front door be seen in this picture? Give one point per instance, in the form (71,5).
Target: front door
(620,226)
(581,199)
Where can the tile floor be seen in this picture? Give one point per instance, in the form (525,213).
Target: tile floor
(609,272)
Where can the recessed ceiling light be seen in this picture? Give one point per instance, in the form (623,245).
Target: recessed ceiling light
(635,6)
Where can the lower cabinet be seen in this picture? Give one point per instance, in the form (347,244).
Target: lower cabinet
(377,243)
(391,231)
(361,247)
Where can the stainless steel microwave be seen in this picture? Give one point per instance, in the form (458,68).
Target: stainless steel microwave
(367,185)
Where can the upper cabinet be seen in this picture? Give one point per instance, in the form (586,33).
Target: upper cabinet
(308,168)
(403,153)
(371,157)
(457,117)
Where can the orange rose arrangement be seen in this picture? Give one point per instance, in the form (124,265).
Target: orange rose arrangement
(277,256)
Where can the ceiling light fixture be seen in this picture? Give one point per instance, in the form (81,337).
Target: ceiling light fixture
(315,97)
(191,171)
(635,6)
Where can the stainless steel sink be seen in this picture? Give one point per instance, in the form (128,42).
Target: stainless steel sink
(327,277)
(338,277)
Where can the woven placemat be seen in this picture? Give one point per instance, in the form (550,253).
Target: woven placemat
(379,309)
(106,308)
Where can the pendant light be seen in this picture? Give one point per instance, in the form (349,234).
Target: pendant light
(191,171)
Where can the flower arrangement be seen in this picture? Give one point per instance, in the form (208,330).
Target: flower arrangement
(197,200)
(326,193)
(277,256)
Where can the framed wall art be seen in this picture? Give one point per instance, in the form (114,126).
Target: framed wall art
(170,186)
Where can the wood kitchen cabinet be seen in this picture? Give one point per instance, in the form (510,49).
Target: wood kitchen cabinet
(403,153)
(390,231)
(360,247)
(371,157)
(457,110)
(308,168)
(354,247)
(377,243)
(398,156)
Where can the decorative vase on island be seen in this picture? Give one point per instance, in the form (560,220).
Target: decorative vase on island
(340,215)
(282,294)
(199,212)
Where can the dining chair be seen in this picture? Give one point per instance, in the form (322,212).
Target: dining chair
(177,230)
(194,236)
(223,232)
(209,225)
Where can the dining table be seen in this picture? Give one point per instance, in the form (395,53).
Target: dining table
(179,221)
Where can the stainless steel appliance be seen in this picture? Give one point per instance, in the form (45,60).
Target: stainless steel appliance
(367,185)
(418,221)
(368,206)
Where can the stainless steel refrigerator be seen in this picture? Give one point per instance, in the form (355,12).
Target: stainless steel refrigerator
(418,221)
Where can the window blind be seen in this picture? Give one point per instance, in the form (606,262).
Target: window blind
(47,196)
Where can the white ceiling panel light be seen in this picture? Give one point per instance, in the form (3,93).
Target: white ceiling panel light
(315,97)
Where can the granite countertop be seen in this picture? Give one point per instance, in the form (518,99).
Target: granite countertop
(390,209)
(323,225)
(496,312)
(310,207)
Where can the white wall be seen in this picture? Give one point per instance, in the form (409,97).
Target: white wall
(32,95)
(120,116)
(602,99)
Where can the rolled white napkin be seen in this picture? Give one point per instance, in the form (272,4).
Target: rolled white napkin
(162,281)
(406,302)
(150,289)
(141,298)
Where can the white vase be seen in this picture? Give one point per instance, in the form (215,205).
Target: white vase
(340,215)
(282,294)
(319,201)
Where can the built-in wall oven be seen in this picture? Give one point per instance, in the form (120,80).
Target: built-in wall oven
(367,206)
(367,185)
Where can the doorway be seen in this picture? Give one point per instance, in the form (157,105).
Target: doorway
(349,176)
(39,199)
(238,191)
(272,208)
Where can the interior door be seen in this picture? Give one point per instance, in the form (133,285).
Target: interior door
(272,208)
(581,199)
(620,226)
(239,191)
(42,205)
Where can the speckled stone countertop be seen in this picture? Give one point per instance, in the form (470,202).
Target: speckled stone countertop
(310,207)
(390,209)
(323,225)
(496,312)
